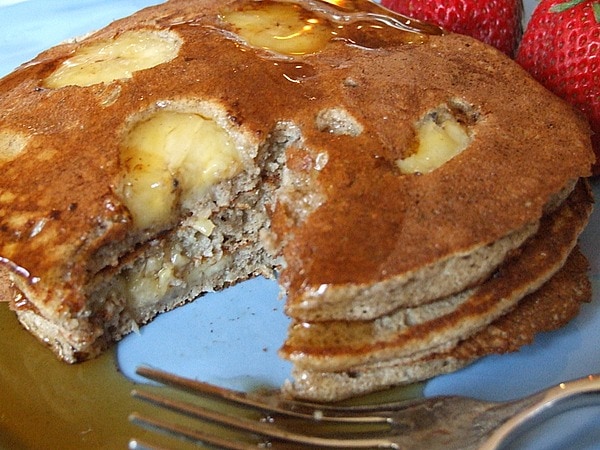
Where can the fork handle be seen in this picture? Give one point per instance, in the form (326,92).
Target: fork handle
(548,403)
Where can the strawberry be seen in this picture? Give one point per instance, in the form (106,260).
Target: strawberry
(495,22)
(561,49)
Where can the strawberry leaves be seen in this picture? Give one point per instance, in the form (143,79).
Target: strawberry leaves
(560,7)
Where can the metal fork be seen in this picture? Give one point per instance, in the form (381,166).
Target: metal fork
(431,423)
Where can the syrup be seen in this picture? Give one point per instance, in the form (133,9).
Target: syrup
(290,28)
(295,72)
(47,404)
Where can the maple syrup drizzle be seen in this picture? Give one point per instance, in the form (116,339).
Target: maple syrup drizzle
(367,11)
(292,28)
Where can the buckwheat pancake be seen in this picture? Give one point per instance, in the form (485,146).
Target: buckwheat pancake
(371,161)
(549,308)
(338,345)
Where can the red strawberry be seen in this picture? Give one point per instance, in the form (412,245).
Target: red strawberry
(495,22)
(561,49)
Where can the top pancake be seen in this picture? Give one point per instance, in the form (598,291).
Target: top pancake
(365,221)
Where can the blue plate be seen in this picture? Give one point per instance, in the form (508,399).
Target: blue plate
(231,338)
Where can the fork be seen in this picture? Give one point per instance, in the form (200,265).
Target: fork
(443,422)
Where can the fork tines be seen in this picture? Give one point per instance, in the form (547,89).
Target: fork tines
(279,420)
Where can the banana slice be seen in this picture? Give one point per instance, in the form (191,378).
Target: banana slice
(282,28)
(116,59)
(171,158)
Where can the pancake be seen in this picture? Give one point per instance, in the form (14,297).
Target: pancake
(340,345)
(368,160)
(547,309)
(539,289)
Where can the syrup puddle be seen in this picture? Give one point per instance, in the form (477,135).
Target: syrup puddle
(47,404)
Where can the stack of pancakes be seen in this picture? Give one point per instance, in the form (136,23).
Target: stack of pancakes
(302,139)
(538,287)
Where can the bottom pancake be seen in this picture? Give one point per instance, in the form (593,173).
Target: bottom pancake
(551,307)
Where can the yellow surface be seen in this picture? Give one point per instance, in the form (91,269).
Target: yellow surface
(47,404)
